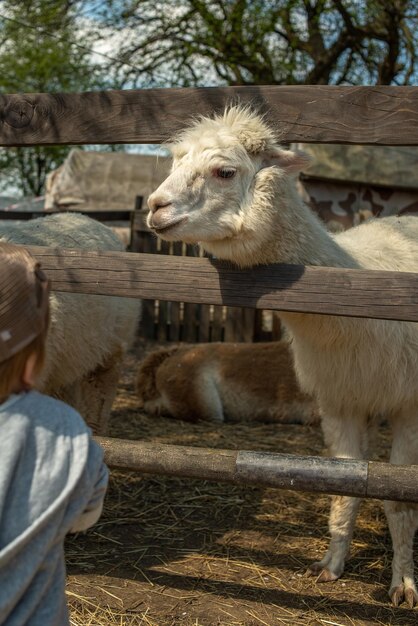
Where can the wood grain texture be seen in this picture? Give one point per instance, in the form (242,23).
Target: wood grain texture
(101,216)
(396,482)
(175,322)
(169,460)
(148,245)
(304,473)
(353,293)
(268,469)
(385,115)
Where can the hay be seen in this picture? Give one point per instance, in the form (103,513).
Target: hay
(174,552)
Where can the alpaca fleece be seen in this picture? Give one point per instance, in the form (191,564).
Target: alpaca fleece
(88,334)
(232,189)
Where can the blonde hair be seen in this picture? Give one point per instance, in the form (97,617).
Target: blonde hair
(12,370)
(24,299)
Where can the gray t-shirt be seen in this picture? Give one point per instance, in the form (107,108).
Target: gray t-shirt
(52,481)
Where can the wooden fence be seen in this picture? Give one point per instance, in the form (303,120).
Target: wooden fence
(365,115)
(176,321)
(190,321)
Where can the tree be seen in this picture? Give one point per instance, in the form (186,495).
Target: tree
(41,50)
(242,42)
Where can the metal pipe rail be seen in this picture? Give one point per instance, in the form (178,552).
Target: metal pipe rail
(365,479)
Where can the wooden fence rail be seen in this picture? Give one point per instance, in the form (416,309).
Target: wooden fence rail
(101,216)
(323,114)
(365,479)
(384,115)
(324,290)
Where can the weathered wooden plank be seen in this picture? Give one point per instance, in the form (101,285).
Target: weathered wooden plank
(239,324)
(162,324)
(204,323)
(139,222)
(354,293)
(191,309)
(385,115)
(260,334)
(135,242)
(177,250)
(169,460)
(217,326)
(395,485)
(284,471)
(101,216)
(147,245)
(304,473)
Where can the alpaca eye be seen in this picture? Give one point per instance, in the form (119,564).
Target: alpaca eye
(225,172)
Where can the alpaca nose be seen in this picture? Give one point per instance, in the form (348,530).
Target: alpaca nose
(156,202)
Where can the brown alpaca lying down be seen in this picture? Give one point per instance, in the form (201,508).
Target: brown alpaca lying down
(224,382)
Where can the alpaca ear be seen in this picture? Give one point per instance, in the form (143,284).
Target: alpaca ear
(290,161)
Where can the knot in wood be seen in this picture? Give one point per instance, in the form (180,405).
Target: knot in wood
(19,113)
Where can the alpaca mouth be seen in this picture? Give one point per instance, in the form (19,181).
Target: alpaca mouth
(169,226)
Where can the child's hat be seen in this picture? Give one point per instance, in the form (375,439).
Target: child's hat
(24,293)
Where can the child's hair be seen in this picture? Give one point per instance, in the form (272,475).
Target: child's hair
(11,371)
(24,315)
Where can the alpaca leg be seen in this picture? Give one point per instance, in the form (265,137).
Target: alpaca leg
(403,522)
(341,524)
(99,390)
(403,519)
(93,394)
(346,439)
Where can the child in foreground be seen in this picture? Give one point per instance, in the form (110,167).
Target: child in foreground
(52,476)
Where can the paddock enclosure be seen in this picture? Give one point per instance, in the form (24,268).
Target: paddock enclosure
(308,114)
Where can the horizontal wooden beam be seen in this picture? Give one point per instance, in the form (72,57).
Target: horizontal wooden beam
(101,216)
(384,115)
(365,479)
(352,293)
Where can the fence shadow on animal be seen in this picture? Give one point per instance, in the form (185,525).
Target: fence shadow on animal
(172,321)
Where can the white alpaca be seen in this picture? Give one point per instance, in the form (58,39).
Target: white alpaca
(88,334)
(232,189)
(233,382)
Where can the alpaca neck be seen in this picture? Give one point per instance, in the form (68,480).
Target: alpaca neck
(277,227)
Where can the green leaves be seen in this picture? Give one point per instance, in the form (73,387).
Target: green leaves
(42,49)
(238,42)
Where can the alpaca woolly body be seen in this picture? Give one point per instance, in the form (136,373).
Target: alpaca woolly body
(218,382)
(88,334)
(241,204)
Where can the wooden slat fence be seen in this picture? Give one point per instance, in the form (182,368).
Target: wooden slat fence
(363,115)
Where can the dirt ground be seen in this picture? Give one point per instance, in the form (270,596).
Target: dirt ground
(174,552)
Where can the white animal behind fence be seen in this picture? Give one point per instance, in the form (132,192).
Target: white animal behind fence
(88,334)
(232,190)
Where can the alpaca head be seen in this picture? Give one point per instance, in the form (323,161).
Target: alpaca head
(219,166)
